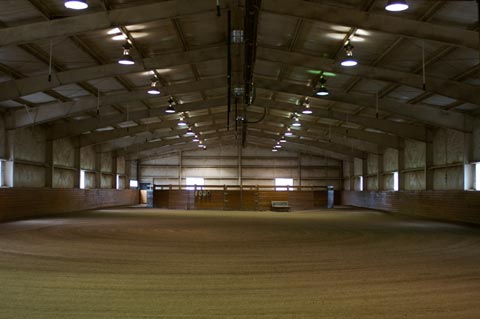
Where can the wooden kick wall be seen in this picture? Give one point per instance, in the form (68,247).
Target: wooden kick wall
(239,200)
(456,206)
(18,203)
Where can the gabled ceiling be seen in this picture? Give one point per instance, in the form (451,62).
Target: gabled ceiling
(389,95)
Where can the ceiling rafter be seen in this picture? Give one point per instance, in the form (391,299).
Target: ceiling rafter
(102,20)
(378,22)
(17,88)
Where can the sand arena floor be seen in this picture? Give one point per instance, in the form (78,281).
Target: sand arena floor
(140,263)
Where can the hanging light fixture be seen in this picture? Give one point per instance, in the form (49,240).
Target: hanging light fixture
(182,122)
(322,91)
(274,150)
(153,87)
(204,147)
(76,4)
(278,145)
(196,139)
(171,106)
(288,132)
(396,5)
(189,132)
(200,144)
(282,139)
(349,60)
(306,106)
(296,121)
(126,59)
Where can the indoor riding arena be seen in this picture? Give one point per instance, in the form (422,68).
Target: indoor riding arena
(239,159)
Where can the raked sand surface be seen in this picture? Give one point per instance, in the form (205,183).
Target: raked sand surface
(150,263)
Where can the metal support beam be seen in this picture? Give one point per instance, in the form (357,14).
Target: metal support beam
(102,20)
(370,21)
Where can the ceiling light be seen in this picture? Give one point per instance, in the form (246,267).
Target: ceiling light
(288,132)
(181,122)
(278,145)
(274,150)
(204,147)
(349,60)
(396,5)
(153,87)
(189,132)
(322,91)
(282,139)
(196,139)
(76,4)
(171,106)
(306,105)
(296,122)
(126,59)
(200,144)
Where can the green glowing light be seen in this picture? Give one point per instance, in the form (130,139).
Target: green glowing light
(319,72)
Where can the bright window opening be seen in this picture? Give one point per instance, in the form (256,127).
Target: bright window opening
(395,181)
(477,176)
(1,173)
(117,182)
(133,183)
(283,182)
(191,181)
(360,180)
(82,179)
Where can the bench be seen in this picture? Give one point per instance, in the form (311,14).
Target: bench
(280,206)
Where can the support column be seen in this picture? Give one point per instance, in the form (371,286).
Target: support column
(76,164)
(49,168)
(114,170)
(429,160)
(98,170)
(239,162)
(180,167)
(10,156)
(364,173)
(300,170)
(380,183)
(401,166)
(351,174)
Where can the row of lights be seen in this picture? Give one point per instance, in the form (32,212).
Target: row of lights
(190,133)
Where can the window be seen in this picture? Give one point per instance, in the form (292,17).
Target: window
(190,181)
(283,182)
(360,186)
(395,181)
(477,176)
(117,182)
(133,183)
(1,173)
(82,179)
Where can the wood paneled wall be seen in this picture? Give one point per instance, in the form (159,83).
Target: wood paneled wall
(18,203)
(239,200)
(456,206)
